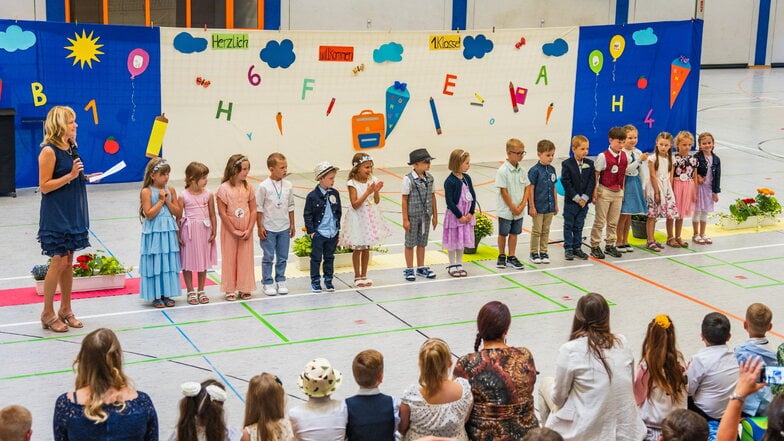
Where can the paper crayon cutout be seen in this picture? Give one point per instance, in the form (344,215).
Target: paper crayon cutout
(520,95)
(513,97)
(549,112)
(434,111)
(367,130)
(331,105)
(155,142)
(397,99)
(279,122)
(479,97)
(679,71)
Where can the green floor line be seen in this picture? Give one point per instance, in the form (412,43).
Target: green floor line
(736,265)
(390,200)
(566,282)
(709,274)
(265,322)
(722,263)
(764,286)
(279,344)
(526,287)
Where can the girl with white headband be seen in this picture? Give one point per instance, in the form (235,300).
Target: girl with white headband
(201,414)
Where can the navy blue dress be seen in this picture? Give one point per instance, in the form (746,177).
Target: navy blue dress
(64,219)
(138,421)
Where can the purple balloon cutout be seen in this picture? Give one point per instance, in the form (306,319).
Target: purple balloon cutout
(138,60)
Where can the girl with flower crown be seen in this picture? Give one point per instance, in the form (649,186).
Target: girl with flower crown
(659,384)
(201,414)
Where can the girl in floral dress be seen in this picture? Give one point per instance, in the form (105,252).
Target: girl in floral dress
(459,219)
(684,186)
(237,210)
(364,225)
(658,192)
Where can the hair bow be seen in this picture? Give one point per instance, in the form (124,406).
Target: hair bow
(400,86)
(190,388)
(217,393)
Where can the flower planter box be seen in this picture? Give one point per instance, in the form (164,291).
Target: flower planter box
(751,222)
(341,260)
(93,283)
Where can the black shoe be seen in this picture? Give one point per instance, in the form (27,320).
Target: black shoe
(579,253)
(569,255)
(512,262)
(501,262)
(597,252)
(328,286)
(611,250)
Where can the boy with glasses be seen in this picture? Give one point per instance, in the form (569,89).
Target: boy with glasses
(511,181)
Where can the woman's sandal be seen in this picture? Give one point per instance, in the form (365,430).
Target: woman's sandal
(203,297)
(230,296)
(53,325)
(653,246)
(71,320)
(193,299)
(673,242)
(246,295)
(682,243)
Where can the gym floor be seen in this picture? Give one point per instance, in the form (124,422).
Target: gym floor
(234,341)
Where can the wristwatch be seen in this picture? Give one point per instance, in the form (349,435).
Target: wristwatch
(735,396)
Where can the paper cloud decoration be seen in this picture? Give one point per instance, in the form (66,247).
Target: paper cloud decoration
(558,47)
(188,44)
(388,52)
(476,46)
(14,38)
(645,37)
(278,54)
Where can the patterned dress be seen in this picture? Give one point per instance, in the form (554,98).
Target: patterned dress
(683,185)
(447,420)
(666,207)
(137,421)
(457,236)
(502,382)
(363,226)
(284,425)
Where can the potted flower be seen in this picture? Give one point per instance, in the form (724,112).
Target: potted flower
(303,245)
(92,271)
(638,226)
(758,211)
(482,229)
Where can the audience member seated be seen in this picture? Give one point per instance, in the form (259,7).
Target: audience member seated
(659,384)
(713,370)
(201,413)
(684,425)
(320,418)
(502,380)
(778,389)
(15,423)
(438,405)
(542,434)
(372,416)
(747,385)
(265,410)
(757,324)
(104,406)
(591,397)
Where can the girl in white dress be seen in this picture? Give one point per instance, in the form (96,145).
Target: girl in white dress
(438,405)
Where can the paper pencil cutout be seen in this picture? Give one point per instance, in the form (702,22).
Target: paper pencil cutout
(157,133)
(435,115)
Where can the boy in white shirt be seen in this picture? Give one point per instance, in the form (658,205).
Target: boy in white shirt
(275,207)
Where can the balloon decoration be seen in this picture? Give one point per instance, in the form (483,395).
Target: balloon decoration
(138,60)
(596,61)
(559,187)
(617,45)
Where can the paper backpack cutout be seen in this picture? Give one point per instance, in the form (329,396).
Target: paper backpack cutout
(367,130)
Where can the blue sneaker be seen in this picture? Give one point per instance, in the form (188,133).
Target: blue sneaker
(535,258)
(328,286)
(426,272)
(408,273)
(315,286)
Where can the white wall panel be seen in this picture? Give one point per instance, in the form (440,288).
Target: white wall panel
(729,32)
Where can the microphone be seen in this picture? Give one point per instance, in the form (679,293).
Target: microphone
(73,151)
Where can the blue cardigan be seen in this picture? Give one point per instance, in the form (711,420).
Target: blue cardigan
(452,190)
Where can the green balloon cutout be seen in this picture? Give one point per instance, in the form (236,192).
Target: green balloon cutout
(596,61)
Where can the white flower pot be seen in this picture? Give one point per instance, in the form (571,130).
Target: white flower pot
(751,222)
(341,260)
(92,283)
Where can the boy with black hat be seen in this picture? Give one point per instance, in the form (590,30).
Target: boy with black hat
(419,212)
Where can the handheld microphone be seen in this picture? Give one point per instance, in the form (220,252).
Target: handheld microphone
(75,154)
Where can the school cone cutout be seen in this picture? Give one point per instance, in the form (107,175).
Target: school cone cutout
(679,71)
(155,142)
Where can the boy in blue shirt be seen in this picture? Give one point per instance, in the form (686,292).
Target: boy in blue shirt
(372,415)
(757,324)
(322,222)
(543,201)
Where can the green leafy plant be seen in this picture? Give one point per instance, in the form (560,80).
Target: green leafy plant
(483,226)
(640,217)
(763,204)
(87,264)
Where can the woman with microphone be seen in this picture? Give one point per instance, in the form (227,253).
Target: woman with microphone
(64,221)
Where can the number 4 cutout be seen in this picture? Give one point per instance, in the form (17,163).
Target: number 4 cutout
(648,120)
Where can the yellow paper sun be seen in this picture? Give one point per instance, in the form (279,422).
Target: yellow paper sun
(84,49)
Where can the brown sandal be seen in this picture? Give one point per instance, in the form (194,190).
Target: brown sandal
(682,243)
(53,325)
(673,242)
(71,320)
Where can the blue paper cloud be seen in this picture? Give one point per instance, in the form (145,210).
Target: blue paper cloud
(388,52)
(14,38)
(645,37)
(476,47)
(558,47)
(188,44)
(278,54)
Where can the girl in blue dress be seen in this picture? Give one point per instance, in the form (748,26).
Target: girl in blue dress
(159,265)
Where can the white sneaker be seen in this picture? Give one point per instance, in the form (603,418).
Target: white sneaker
(270,290)
(282,288)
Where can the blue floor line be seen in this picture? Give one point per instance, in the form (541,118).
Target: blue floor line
(214,368)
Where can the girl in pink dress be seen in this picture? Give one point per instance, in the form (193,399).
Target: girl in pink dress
(684,186)
(364,225)
(459,217)
(237,210)
(197,231)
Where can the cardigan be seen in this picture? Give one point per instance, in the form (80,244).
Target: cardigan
(452,187)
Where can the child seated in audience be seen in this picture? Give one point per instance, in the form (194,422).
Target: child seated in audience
(201,413)
(757,324)
(542,434)
(684,425)
(265,410)
(15,423)
(371,414)
(320,418)
(713,370)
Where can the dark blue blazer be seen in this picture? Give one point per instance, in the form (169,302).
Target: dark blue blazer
(577,181)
